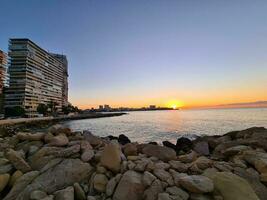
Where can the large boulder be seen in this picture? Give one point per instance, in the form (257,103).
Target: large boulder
(130,187)
(66,173)
(184,144)
(30,136)
(16,159)
(202,148)
(123,139)
(233,187)
(130,149)
(197,184)
(59,140)
(162,153)
(65,194)
(4,178)
(111,157)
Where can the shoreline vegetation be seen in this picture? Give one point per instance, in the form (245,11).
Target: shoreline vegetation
(59,164)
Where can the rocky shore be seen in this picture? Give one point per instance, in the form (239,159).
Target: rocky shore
(63,165)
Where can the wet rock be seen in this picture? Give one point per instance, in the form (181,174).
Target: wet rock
(197,184)
(4,178)
(16,159)
(233,187)
(202,148)
(162,153)
(184,144)
(170,145)
(78,192)
(130,149)
(100,182)
(59,140)
(130,187)
(123,139)
(15,176)
(111,157)
(65,194)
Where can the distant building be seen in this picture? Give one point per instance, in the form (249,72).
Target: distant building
(106,107)
(36,77)
(63,59)
(152,107)
(101,107)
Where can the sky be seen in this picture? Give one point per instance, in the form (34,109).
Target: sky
(136,53)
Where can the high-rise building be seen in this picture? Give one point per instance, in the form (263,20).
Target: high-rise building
(3,78)
(35,77)
(3,71)
(63,59)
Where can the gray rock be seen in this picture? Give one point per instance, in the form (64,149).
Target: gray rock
(152,192)
(178,192)
(161,152)
(65,194)
(100,182)
(197,184)
(87,155)
(130,187)
(164,196)
(148,178)
(202,148)
(162,174)
(37,194)
(16,159)
(78,192)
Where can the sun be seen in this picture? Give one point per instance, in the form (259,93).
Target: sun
(174,104)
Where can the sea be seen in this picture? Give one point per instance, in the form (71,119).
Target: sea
(157,126)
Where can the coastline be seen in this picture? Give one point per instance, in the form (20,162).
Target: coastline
(228,167)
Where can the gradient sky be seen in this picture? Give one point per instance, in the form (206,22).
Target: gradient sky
(136,53)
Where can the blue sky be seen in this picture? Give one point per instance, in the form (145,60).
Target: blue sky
(136,53)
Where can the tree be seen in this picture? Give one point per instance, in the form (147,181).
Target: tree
(16,111)
(42,109)
(53,107)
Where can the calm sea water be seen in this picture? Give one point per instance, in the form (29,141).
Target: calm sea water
(169,125)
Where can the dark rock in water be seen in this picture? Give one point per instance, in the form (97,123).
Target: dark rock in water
(202,148)
(111,137)
(184,144)
(154,143)
(123,139)
(170,145)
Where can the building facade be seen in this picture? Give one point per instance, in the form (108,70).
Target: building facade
(3,71)
(36,77)
(64,60)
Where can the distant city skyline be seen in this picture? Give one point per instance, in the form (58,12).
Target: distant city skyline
(190,54)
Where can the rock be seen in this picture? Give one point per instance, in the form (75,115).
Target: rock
(123,139)
(18,162)
(177,192)
(51,164)
(148,178)
(87,155)
(67,152)
(176,176)
(65,194)
(197,184)
(130,149)
(50,197)
(37,194)
(110,187)
(178,165)
(6,168)
(4,178)
(15,176)
(233,187)
(130,187)
(203,162)
(58,128)
(202,148)
(91,198)
(30,137)
(164,196)
(111,157)
(188,158)
(100,182)
(59,140)
(85,146)
(21,184)
(170,145)
(253,178)
(235,150)
(73,170)
(78,192)
(201,197)
(183,144)
(152,192)
(93,140)
(223,166)
(141,165)
(3,161)
(162,174)
(162,153)
(162,165)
